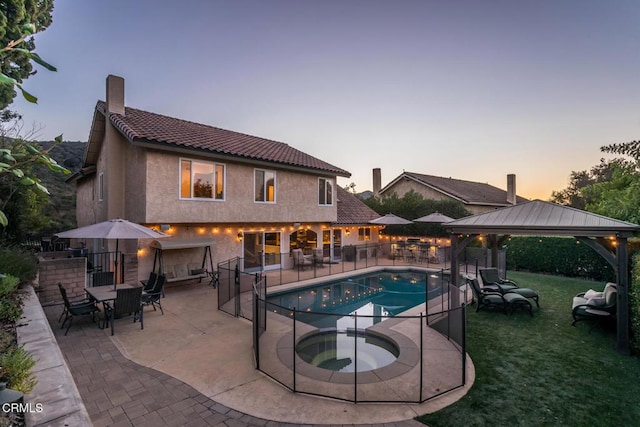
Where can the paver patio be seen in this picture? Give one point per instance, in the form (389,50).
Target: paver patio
(194,366)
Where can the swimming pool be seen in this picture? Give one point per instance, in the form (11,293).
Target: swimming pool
(373,296)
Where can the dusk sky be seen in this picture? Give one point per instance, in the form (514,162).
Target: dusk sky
(468,89)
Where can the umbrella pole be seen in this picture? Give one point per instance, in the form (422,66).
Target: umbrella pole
(115,265)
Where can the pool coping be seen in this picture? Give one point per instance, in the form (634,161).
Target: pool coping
(407,359)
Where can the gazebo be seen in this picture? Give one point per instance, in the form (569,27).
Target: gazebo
(549,219)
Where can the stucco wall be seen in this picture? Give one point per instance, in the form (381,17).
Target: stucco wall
(135,188)
(403,186)
(296,197)
(85,201)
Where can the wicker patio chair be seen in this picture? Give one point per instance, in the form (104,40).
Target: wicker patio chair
(300,260)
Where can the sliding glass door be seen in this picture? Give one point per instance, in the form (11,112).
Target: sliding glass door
(261,251)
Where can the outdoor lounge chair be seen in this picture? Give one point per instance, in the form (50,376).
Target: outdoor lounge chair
(128,302)
(70,310)
(299,260)
(485,298)
(595,306)
(506,302)
(492,280)
(153,296)
(318,257)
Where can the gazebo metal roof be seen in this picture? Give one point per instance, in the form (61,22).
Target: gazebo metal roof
(542,218)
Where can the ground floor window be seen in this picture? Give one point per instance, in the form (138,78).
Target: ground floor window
(364,233)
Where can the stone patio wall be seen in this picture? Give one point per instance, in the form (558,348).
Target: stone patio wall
(57,267)
(56,391)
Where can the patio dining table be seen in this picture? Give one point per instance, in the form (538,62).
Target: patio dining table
(103,294)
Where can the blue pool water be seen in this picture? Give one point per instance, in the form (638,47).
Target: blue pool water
(372,297)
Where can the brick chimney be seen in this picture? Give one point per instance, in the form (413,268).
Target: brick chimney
(115,94)
(377,181)
(511,189)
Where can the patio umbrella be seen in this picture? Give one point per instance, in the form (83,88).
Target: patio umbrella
(113,229)
(435,217)
(390,219)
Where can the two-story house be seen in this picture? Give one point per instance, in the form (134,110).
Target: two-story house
(246,196)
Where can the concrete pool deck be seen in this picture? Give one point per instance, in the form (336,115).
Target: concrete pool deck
(212,352)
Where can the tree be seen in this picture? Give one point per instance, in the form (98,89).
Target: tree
(413,205)
(16,154)
(18,20)
(618,197)
(351,188)
(611,188)
(631,149)
(574,195)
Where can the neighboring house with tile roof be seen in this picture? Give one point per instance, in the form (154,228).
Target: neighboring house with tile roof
(252,196)
(477,197)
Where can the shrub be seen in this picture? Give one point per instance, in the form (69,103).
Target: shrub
(634,303)
(557,255)
(18,262)
(15,369)
(7,339)
(10,309)
(8,285)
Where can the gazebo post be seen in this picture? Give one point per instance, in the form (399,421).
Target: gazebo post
(622,345)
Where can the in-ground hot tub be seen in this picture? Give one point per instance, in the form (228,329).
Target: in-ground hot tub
(347,350)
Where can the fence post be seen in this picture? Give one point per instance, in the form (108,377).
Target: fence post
(464,343)
(256,327)
(355,357)
(421,355)
(236,289)
(293,349)
(426,292)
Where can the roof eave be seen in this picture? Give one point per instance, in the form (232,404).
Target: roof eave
(550,231)
(413,178)
(156,145)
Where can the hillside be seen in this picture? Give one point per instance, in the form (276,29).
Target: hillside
(62,208)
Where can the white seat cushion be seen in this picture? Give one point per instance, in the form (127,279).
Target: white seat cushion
(578,301)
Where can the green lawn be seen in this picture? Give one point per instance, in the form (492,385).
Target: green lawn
(541,371)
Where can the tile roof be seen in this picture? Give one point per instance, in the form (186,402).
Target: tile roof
(352,210)
(469,192)
(143,126)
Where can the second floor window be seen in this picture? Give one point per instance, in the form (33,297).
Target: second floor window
(101,186)
(325,191)
(265,186)
(201,180)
